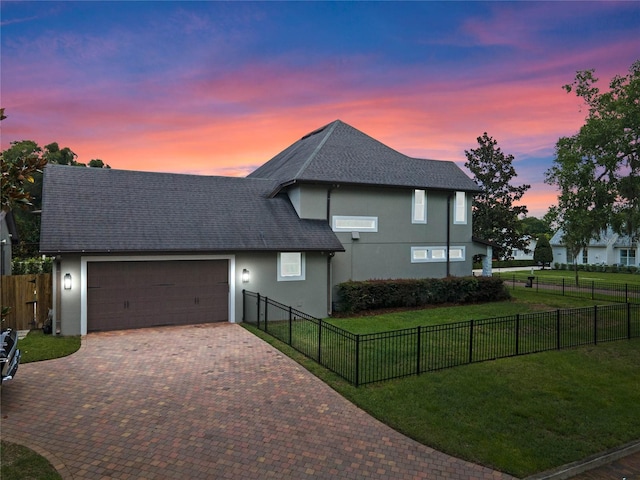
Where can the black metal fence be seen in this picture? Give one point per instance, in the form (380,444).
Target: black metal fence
(592,289)
(369,358)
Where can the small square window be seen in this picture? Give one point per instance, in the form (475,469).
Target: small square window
(291,266)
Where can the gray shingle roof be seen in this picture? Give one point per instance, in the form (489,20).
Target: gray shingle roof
(339,153)
(107,210)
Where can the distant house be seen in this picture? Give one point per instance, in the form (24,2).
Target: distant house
(609,248)
(8,238)
(136,249)
(518,254)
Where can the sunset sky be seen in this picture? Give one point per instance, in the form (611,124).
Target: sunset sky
(219,88)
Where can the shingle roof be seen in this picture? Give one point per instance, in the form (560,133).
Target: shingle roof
(108,210)
(339,153)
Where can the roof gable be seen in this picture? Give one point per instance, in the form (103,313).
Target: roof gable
(339,153)
(108,210)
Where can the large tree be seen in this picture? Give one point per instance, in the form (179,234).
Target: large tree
(597,170)
(18,172)
(495,215)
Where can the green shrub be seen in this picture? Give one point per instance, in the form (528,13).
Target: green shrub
(32,266)
(379,294)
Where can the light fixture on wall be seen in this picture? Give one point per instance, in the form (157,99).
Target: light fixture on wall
(245,275)
(67,281)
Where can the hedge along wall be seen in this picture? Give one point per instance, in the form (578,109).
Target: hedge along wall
(376,294)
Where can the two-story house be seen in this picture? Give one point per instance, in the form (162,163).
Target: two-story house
(136,249)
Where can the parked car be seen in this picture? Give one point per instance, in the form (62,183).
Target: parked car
(9,355)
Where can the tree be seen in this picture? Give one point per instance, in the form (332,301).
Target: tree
(97,163)
(495,217)
(597,170)
(533,226)
(543,253)
(18,172)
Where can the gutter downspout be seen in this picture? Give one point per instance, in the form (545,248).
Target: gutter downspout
(329,257)
(448,231)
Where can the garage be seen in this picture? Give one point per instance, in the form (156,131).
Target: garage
(135,294)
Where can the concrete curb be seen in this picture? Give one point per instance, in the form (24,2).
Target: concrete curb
(575,468)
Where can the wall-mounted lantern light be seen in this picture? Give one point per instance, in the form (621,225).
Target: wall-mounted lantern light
(245,275)
(67,281)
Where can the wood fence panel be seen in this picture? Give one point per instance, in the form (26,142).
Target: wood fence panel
(20,292)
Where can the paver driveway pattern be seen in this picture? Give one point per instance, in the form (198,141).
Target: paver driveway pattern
(203,402)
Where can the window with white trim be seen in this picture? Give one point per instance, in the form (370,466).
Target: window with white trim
(628,257)
(437,254)
(460,208)
(343,223)
(419,207)
(291,266)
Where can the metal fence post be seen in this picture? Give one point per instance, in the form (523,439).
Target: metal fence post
(470,341)
(258,310)
(629,320)
(517,334)
(595,324)
(558,328)
(290,325)
(357,376)
(418,353)
(563,286)
(320,341)
(593,289)
(244,307)
(266,310)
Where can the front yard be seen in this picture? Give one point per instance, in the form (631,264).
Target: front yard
(520,415)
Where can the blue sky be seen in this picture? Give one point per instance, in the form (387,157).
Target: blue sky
(219,88)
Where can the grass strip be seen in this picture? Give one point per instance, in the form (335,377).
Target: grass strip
(22,463)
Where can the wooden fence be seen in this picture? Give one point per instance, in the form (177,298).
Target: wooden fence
(26,295)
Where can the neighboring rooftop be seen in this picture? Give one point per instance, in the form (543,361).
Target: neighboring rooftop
(339,153)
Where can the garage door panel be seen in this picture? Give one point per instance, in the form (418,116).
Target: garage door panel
(139,294)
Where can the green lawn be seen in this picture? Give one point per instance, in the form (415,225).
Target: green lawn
(630,278)
(37,346)
(523,301)
(521,415)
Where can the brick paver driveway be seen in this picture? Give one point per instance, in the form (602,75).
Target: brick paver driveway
(203,402)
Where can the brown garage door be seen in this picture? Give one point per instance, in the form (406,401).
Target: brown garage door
(123,295)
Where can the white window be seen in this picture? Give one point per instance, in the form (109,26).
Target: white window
(354,224)
(436,254)
(291,266)
(628,257)
(419,210)
(460,208)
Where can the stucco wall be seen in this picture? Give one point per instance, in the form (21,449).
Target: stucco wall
(67,303)
(308,295)
(387,253)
